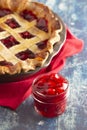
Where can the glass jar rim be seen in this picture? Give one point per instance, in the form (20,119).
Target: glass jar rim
(48,96)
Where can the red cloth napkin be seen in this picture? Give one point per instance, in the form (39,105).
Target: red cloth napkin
(13,94)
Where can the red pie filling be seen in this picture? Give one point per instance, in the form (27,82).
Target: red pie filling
(28,15)
(10,41)
(12,23)
(51,85)
(42,45)
(42,24)
(25,54)
(26,35)
(4,12)
(5,63)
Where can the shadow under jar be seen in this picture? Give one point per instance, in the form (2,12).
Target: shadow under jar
(50,92)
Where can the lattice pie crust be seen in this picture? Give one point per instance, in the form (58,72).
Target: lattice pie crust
(12,64)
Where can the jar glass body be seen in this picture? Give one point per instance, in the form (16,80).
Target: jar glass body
(49,105)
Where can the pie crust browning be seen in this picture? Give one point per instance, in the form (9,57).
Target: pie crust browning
(41,55)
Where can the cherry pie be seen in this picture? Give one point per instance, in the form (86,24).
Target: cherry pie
(28,32)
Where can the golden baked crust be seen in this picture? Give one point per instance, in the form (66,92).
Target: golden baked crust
(53,36)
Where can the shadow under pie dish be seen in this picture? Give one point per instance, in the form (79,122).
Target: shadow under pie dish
(30,36)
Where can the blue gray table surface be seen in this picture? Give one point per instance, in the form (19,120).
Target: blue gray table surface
(74,14)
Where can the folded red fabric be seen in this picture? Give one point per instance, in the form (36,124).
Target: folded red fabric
(14,93)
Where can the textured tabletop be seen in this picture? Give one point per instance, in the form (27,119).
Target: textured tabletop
(74,14)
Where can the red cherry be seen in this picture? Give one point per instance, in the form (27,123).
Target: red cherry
(40,83)
(4,12)
(50,91)
(51,84)
(59,90)
(61,80)
(26,54)
(26,35)
(44,78)
(28,15)
(42,24)
(12,23)
(59,84)
(42,45)
(53,76)
(9,41)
